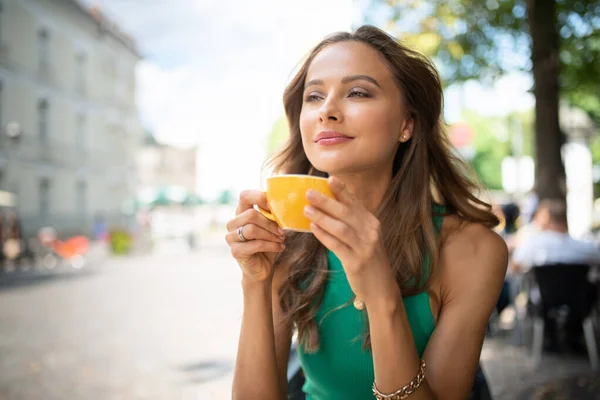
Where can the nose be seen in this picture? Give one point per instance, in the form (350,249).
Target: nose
(330,111)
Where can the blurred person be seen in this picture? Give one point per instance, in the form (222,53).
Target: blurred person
(529,205)
(511,214)
(552,244)
(505,295)
(514,279)
(13,239)
(539,219)
(100,228)
(395,284)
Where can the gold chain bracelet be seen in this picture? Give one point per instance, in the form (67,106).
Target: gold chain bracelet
(406,390)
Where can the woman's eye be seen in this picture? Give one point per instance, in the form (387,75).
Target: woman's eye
(311,97)
(358,93)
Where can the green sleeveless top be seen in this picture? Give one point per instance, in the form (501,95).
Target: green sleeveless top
(341,369)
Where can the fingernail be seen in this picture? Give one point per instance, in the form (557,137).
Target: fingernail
(281,231)
(282,246)
(310,194)
(308,210)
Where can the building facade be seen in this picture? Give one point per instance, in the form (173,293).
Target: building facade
(70,130)
(161,166)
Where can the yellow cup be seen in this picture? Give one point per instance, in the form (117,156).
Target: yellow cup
(286,195)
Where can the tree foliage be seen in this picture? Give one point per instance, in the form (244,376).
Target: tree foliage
(557,41)
(493,138)
(484,39)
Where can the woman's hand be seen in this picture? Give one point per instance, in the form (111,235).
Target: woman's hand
(255,241)
(354,234)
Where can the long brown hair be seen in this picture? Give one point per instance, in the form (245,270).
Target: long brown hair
(425,170)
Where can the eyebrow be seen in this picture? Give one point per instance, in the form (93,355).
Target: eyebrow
(345,80)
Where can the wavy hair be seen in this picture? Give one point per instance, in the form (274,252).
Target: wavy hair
(425,171)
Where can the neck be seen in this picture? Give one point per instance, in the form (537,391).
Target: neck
(368,187)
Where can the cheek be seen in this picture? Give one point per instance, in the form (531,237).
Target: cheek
(377,122)
(306,126)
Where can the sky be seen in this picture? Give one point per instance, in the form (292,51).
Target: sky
(214,72)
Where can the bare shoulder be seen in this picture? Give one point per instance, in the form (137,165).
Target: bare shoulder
(470,241)
(472,257)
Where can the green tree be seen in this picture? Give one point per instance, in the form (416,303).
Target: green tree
(558,41)
(493,138)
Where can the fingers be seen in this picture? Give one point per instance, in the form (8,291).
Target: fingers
(240,250)
(328,205)
(332,243)
(251,216)
(248,198)
(254,232)
(339,229)
(262,235)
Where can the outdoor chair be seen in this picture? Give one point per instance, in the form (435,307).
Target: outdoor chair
(554,286)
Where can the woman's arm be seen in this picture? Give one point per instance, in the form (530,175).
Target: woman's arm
(264,345)
(472,265)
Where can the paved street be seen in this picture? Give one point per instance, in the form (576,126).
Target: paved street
(166,327)
(161,327)
(511,375)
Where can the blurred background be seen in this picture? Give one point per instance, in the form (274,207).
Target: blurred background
(129,127)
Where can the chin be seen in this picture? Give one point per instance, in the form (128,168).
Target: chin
(330,167)
(332,162)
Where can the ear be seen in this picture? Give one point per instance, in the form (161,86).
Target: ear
(407,130)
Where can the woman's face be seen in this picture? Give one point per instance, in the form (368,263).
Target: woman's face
(352,117)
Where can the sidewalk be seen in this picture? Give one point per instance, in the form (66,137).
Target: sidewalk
(511,375)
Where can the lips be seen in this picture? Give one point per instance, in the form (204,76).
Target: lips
(331,135)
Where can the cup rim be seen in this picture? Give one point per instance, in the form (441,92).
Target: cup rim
(297,176)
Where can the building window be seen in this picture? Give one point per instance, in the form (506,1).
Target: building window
(80,136)
(81,60)
(43,120)
(81,198)
(44,197)
(43,49)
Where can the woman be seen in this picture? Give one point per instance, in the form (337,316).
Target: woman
(13,241)
(393,289)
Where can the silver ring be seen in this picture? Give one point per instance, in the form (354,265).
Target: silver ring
(240,233)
